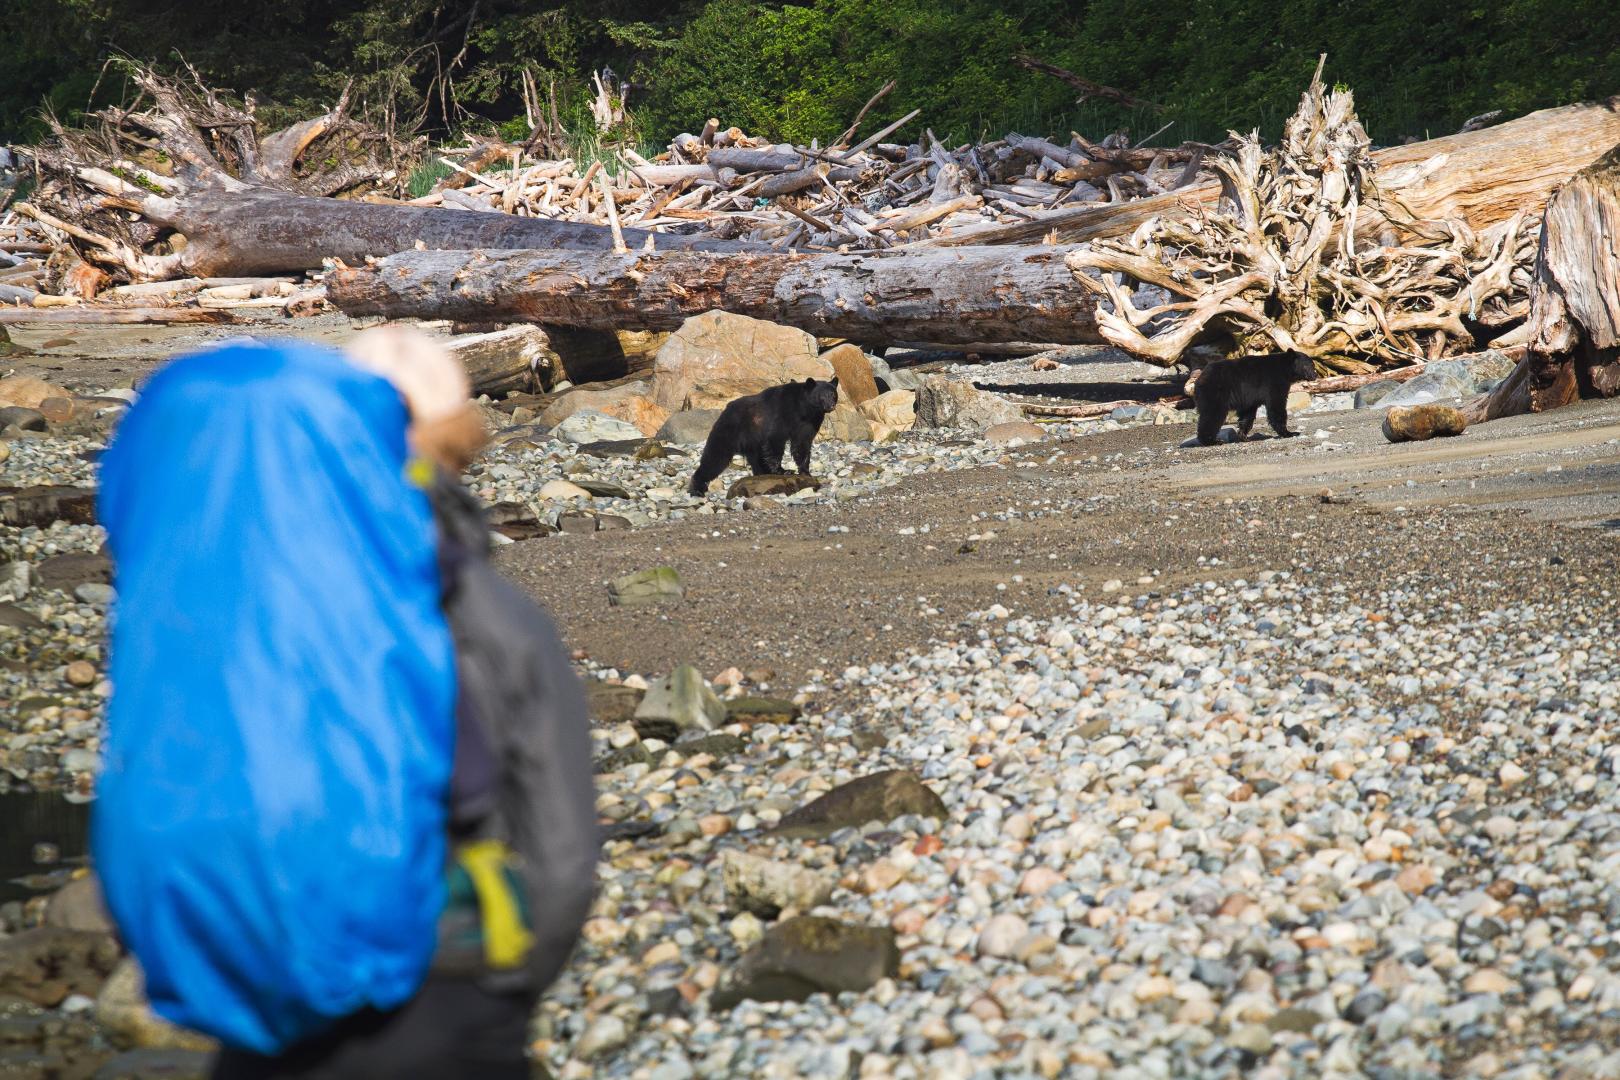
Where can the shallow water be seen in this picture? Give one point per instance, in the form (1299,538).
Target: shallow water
(28,819)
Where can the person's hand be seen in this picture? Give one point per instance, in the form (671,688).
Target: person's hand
(445,425)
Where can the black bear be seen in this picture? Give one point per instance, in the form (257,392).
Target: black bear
(760,425)
(1244,384)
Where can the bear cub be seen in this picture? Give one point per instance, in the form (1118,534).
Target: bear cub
(1244,384)
(760,425)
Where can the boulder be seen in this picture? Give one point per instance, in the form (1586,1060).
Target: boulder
(854,371)
(74,568)
(22,418)
(717,357)
(1019,431)
(766,887)
(809,955)
(845,423)
(1419,422)
(29,391)
(122,1010)
(680,701)
(689,426)
(628,402)
(516,521)
(1440,380)
(944,403)
(896,409)
(659,585)
(1374,392)
(16,580)
(751,487)
(589,426)
(881,796)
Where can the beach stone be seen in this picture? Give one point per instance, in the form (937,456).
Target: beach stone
(690,426)
(808,955)
(680,701)
(57,410)
(1488,981)
(95,592)
(1002,935)
(765,887)
(750,487)
(516,521)
(660,585)
(611,704)
(854,372)
(881,796)
(81,673)
(16,617)
(16,580)
(1420,422)
(762,710)
(1440,380)
(717,357)
(45,965)
(122,1009)
(74,568)
(1301,1021)
(605,1034)
(944,403)
(1017,431)
(601,489)
(1251,1039)
(562,489)
(590,426)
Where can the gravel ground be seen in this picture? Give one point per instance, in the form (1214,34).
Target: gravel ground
(1287,758)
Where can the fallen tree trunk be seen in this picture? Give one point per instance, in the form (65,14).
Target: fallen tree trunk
(1480,177)
(1573,333)
(950,297)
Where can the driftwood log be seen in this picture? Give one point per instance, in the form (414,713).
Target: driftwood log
(949,296)
(1573,333)
(1481,178)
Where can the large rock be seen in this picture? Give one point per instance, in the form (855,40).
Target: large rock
(691,426)
(845,423)
(767,887)
(1019,431)
(717,357)
(1374,392)
(78,906)
(854,371)
(881,797)
(680,701)
(1440,380)
(1419,422)
(44,966)
(589,426)
(811,955)
(944,403)
(29,391)
(660,585)
(123,1011)
(628,402)
(896,409)
(611,704)
(74,568)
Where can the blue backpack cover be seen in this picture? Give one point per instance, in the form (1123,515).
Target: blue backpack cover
(270,822)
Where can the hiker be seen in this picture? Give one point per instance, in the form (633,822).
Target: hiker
(346,820)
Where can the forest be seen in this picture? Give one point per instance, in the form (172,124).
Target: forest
(800,71)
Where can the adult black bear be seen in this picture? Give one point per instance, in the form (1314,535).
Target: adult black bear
(1243,385)
(760,425)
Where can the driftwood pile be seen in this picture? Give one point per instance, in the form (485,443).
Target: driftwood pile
(871,195)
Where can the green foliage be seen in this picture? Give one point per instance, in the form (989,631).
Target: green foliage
(801,69)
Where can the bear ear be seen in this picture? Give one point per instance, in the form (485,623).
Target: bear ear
(809,380)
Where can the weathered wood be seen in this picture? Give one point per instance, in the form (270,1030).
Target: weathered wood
(262,231)
(88,315)
(1574,324)
(952,296)
(516,359)
(1479,177)
(749,160)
